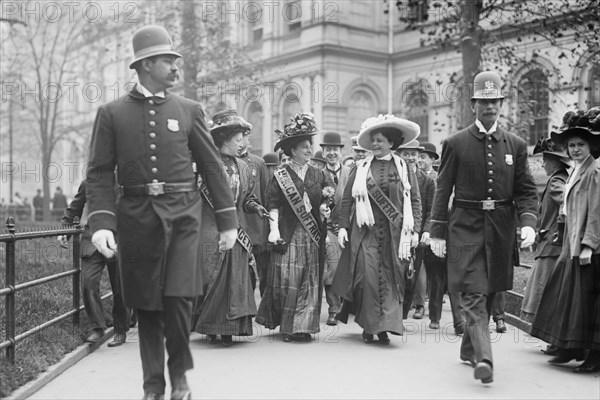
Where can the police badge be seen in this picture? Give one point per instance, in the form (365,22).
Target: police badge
(173,125)
(508,158)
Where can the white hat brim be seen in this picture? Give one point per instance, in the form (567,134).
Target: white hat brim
(406,129)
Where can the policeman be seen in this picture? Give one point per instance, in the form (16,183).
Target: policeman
(152,137)
(487,168)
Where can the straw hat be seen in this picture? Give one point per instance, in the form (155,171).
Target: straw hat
(401,130)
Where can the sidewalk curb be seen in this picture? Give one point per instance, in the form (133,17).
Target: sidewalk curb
(55,370)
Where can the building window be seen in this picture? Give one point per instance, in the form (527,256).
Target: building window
(292,16)
(417,107)
(533,106)
(594,87)
(255,18)
(255,117)
(360,107)
(413,11)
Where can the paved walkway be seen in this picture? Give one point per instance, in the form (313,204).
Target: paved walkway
(336,365)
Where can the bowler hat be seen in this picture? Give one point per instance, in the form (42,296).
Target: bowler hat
(331,138)
(303,126)
(151,41)
(430,149)
(319,157)
(401,130)
(229,120)
(355,145)
(413,145)
(271,159)
(487,85)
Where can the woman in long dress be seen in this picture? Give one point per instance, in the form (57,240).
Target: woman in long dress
(292,298)
(569,313)
(379,224)
(228,304)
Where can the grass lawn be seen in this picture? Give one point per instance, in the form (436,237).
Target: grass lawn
(37,258)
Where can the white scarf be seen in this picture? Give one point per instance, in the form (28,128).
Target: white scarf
(364,212)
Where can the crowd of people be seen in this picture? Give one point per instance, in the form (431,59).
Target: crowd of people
(352,229)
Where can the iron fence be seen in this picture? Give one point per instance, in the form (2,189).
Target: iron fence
(11,287)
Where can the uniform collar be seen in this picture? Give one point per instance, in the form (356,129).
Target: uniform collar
(146,93)
(482,128)
(480,133)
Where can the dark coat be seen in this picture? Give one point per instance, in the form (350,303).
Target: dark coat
(256,226)
(481,244)
(75,209)
(314,182)
(547,226)
(426,192)
(343,282)
(158,139)
(583,210)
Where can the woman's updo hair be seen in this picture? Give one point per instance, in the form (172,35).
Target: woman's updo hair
(287,148)
(226,135)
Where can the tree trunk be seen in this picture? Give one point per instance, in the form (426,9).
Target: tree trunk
(45,185)
(470,45)
(190,67)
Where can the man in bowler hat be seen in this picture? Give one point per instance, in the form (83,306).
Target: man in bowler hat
(487,169)
(152,138)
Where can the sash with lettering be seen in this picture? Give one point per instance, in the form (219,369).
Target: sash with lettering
(242,236)
(384,203)
(293,197)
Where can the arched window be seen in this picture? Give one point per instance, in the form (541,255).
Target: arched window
(593,87)
(533,106)
(360,107)
(255,117)
(417,107)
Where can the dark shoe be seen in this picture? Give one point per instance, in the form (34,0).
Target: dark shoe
(459,329)
(153,396)
(95,336)
(383,338)
(118,340)
(551,350)
(470,360)
(331,321)
(227,340)
(367,337)
(302,337)
(434,325)
(182,391)
(212,339)
(419,312)
(565,356)
(500,327)
(484,372)
(288,338)
(588,367)
(109,323)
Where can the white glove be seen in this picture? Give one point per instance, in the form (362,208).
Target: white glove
(528,236)
(104,241)
(62,240)
(274,235)
(438,247)
(325,211)
(414,240)
(227,239)
(425,238)
(342,237)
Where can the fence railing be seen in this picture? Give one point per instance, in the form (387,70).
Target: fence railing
(11,288)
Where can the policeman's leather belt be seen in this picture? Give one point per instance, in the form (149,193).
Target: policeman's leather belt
(485,205)
(156,189)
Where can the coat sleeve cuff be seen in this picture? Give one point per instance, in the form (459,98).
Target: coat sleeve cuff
(528,219)
(591,241)
(102,219)
(226,219)
(438,229)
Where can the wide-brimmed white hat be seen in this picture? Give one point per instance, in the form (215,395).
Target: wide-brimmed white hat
(402,130)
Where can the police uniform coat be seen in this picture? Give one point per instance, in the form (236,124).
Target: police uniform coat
(155,139)
(481,244)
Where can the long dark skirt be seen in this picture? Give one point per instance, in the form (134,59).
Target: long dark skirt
(536,283)
(292,296)
(228,305)
(569,312)
(376,296)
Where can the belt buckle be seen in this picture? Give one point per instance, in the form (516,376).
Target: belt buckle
(154,189)
(488,205)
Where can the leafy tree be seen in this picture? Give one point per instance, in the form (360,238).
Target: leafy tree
(493,32)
